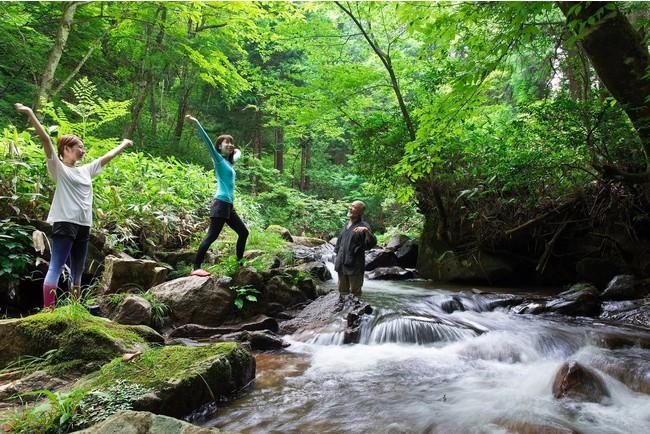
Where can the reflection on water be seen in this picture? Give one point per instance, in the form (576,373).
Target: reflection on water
(419,369)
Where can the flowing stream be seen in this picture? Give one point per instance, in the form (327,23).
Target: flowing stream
(419,369)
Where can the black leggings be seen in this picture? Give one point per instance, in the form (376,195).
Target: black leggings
(216,224)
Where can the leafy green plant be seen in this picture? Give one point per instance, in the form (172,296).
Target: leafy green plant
(54,415)
(90,110)
(227,265)
(14,259)
(98,405)
(246,292)
(159,310)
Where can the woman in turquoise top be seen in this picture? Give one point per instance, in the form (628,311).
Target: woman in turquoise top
(224,156)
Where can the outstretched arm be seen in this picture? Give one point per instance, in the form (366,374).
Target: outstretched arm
(216,157)
(45,138)
(114,153)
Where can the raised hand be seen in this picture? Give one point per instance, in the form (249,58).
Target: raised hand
(23,108)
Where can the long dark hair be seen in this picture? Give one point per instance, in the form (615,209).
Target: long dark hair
(222,138)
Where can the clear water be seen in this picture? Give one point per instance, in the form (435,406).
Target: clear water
(419,369)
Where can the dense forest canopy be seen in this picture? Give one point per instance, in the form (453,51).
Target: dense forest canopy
(456,122)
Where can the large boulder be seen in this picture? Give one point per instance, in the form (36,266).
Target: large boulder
(480,267)
(577,382)
(180,379)
(579,300)
(380,258)
(124,274)
(390,273)
(407,254)
(626,287)
(597,271)
(76,337)
(197,300)
(277,290)
(317,269)
(396,241)
(320,312)
(133,310)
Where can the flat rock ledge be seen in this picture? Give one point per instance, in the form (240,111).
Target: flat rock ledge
(143,422)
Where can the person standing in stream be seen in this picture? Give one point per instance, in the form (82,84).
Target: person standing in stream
(222,211)
(71,210)
(355,238)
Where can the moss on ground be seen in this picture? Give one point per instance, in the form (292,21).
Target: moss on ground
(157,367)
(75,340)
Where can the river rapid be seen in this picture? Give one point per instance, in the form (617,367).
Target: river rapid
(419,369)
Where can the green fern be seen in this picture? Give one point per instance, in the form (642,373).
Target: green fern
(91,110)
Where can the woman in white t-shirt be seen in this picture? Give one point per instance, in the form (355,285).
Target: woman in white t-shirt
(71,211)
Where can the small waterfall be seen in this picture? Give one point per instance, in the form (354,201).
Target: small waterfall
(328,259)
(437,361)
(414,330)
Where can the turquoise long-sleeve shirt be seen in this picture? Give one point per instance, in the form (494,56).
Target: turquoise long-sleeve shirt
(223,170)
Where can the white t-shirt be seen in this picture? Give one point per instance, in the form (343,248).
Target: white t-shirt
(73,197)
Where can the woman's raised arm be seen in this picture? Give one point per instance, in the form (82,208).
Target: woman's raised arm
(42,134)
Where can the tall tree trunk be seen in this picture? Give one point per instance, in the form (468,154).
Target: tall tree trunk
(305,160)
(278,153)
(154,110)
(257,136)
(144,81)
(621,60)
(578,73)
(47,79)
(83,60)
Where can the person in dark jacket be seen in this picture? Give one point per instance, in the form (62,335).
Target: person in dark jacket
(355,238)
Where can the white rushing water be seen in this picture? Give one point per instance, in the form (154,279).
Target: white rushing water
(421,370)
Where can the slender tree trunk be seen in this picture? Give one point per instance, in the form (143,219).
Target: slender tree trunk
(257,136)
(144,81)
(153,108)
(305,160)
(81,63)
(386,61)
(47,79)
(577,73)
(278,153)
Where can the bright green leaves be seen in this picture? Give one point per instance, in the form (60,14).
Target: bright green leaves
(91,113)
(15,253)
(244,293)
(581,24)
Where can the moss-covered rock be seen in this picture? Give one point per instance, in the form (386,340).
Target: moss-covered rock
(69,339)
(180,379)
